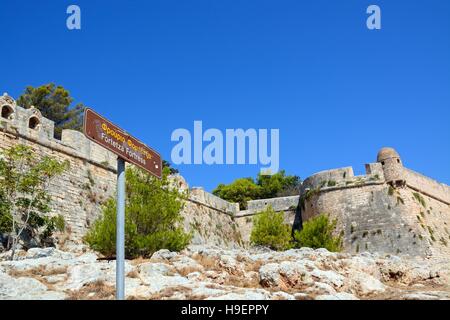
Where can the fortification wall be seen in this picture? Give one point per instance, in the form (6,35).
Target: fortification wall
(212,220)
(79,193)
(427,186)
(343,177)
(372,215)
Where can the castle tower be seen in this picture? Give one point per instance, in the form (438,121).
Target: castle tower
(392,166)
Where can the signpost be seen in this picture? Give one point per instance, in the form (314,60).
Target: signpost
(128,149)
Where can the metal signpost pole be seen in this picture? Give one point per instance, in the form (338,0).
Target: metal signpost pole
(120,231)
(128,149)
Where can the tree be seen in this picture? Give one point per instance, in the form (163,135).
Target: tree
(152,218)
(318,233)
(167,164)
(24,198)
(55,103)
(266,186)
(269,229)
(278,185)
(240,191)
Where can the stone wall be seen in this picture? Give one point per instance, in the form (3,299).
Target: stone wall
(427,186)
(374,214)
(79,193)
(377,216)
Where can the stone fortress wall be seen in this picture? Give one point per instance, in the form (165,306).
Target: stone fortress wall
(79,193)
(390,209)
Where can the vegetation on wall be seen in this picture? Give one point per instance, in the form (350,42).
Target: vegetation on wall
(24,198)
(152,218)
(266,186)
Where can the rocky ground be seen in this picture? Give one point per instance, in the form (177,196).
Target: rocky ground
(205,272)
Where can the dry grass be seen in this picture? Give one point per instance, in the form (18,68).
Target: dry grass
(254,266)
(243,281)
(169,292)
(97,290)
(207,262)
(133,274)
(40,271)
(184,271)
(139,260)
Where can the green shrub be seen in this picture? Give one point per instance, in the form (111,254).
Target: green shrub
(152,218)
(270,230)
(318,233)
(331,183)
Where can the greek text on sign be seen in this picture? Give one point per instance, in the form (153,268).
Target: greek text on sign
(111,137)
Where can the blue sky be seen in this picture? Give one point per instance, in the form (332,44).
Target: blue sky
(337,91)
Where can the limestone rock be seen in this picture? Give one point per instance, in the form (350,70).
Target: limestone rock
(26,289)
(337,296)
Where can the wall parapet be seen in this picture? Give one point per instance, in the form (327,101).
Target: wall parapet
(200,196)
(427,186)
(29,124)
(343,178)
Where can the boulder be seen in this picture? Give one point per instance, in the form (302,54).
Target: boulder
(26,289)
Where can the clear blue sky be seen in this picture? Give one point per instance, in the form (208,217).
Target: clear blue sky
(337,91)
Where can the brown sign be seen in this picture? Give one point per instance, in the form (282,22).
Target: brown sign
(111,137)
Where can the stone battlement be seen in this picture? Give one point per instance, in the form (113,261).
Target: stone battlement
(31,125)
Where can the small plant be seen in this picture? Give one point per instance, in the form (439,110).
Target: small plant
(391,191)
(431,231)
(331,183)
(307,196)
(90,178)
(318,233)
(420,199)
(269,229)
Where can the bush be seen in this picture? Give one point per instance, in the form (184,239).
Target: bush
(270,230)
(152,218)
(318,233)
